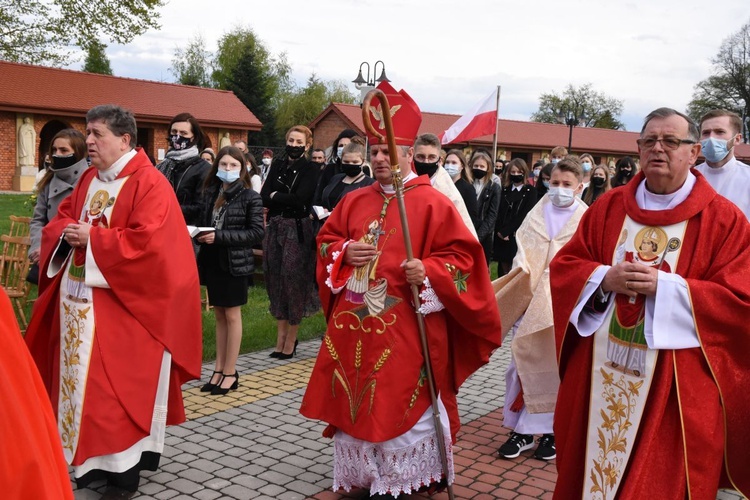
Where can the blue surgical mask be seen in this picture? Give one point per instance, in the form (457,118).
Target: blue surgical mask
(339,151)
(714,149)
(545,184)
(452,169)
(554,161)
(561,197)
(586,166)
(228,176)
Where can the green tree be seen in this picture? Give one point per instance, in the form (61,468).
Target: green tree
(244,65)
(40,31)
(729,85)
(256,89)
(589,107)
(301,106)
(191,65)
(96,59)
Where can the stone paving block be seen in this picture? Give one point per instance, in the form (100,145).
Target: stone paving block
(206,495)
(150,488)
(287,469)
(275,477)
(195,475)
(312,478)
(272,490)
(181,431)
(239,492)
(235,451)
(231,462)
(251,482)
(299,461)
(217,484)
(276,454)
(217,445)
(253,469)
(211,455)
(290,495)
(173,467)
(166,494)
(190,447)
(162,477)
(205,465)
(184,485)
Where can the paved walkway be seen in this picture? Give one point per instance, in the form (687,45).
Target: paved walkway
(253,444)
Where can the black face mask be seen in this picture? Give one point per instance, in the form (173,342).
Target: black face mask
(624,173)
(478,173)
(499,172)
(179,143)
(351,170)
(424,168)
(516,178)
(598,181)
(294,152)
(61,162)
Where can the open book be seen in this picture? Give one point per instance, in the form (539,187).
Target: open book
(199,231)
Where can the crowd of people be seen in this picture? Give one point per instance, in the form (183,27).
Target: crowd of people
(617,289)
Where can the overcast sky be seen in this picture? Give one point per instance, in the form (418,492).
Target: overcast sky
(449,54)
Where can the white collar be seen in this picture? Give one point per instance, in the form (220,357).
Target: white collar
(111,173)
(388,188)
(647,200)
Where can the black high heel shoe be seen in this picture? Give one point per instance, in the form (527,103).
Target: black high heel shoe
(208,387)
(275,354)
(219,391)
(291,354)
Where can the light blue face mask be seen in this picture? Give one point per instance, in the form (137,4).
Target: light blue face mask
(714,149)
(228,176)
(586,166)
(554,161)
(545,184)
(452,169)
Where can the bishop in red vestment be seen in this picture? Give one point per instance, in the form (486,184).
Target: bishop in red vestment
(673,425)
(117,327)
(369,381)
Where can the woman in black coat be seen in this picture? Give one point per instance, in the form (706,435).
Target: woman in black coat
(488,200)
(289,243)
(517,199)
(351,177)
(225,259)
(183,166)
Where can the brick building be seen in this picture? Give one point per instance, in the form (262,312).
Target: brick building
(516,139)
(54,99)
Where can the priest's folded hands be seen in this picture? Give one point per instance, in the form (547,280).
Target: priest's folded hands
(631,279)
(77,235)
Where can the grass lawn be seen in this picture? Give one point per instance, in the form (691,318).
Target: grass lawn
(258,326)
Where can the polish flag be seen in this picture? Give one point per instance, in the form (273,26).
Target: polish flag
(480,121)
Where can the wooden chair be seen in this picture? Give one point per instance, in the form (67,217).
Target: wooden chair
(19,226)
(14,266)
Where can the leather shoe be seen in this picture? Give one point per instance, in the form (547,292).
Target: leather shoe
(115,493)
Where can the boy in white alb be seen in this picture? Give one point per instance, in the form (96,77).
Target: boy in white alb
(721,131)
(523,296)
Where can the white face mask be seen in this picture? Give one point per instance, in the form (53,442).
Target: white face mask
(266,161)
(561,197)
(339,151)
(452,169)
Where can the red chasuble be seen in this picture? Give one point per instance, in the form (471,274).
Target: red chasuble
(696,417)
(31,459)
(369,379)
(152,305)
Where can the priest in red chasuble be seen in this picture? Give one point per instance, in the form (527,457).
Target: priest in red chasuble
(117,327)
(369,380)
(651,298)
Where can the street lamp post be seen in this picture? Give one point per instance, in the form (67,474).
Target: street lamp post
(366,84)
(571,121)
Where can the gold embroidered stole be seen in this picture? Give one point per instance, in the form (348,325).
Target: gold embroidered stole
(77,321)
(623,365)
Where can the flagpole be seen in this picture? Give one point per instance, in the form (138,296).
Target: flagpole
(494,137)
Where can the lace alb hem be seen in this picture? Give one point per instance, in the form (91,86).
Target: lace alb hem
(430,301)
(360,464)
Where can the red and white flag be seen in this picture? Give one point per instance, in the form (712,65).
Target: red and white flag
(480,121)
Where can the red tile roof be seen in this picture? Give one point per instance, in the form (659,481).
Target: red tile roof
(512,133)
(41,89)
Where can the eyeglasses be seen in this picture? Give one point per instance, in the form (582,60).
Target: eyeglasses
(669,143)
